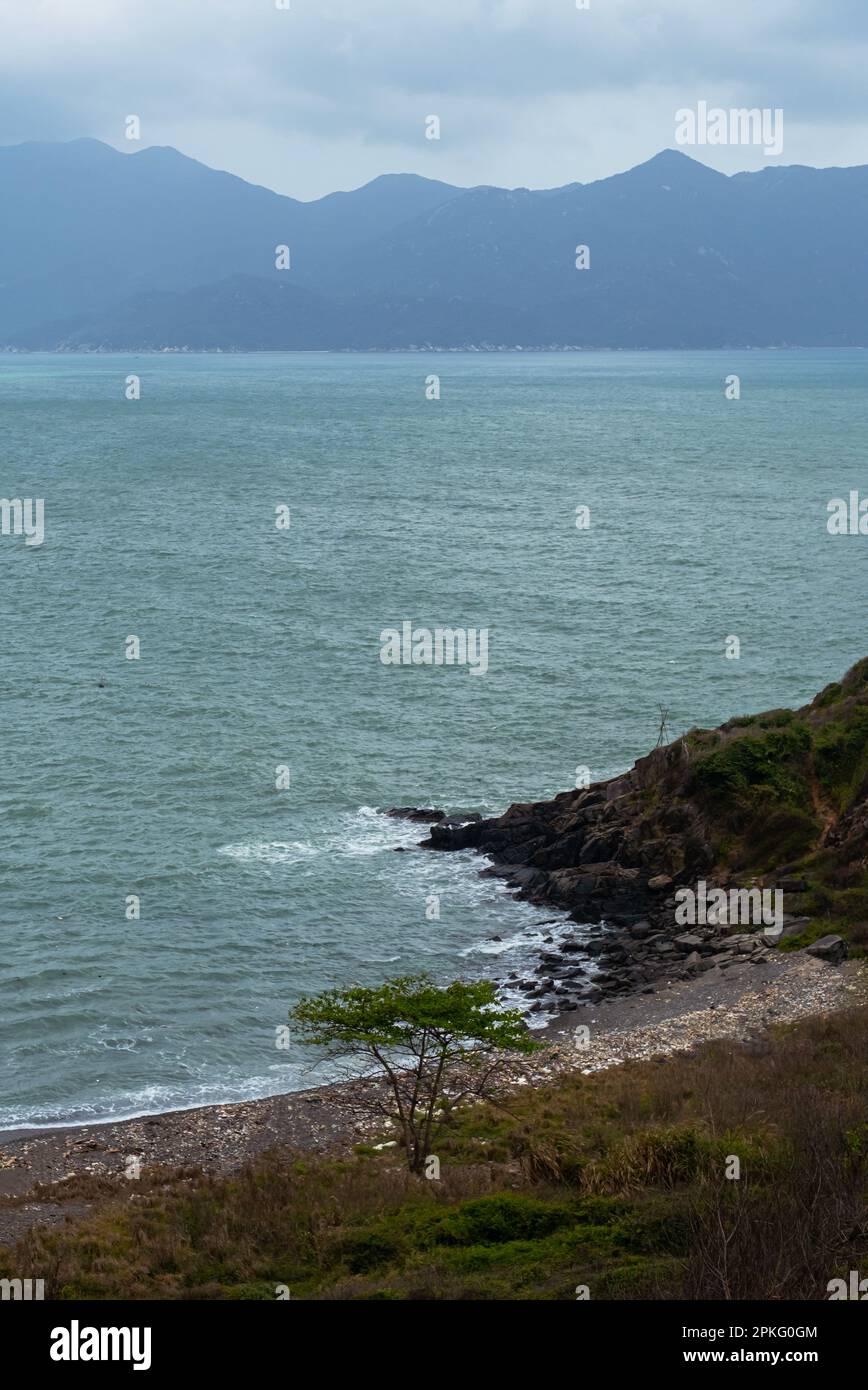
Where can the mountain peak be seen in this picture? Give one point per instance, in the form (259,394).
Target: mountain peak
(677,164)
(396,184)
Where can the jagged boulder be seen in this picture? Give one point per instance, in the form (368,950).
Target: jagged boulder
(832,949)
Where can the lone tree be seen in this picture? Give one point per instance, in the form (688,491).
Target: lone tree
(424,1045)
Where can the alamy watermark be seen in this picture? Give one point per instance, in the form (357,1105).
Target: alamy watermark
(23,516)
(22,1290)
(848,516)
(855,1289)
(439,646)
(738,126)
(739,906)
(77,1343)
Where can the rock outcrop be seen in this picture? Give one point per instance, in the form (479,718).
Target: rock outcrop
(775,801)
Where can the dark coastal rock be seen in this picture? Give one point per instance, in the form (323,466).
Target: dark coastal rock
(531,848)
(566,885)
(456,832)
(832,949)
(689,942)
(527,878)
(561,853)
(660,883)
(601,847)
(416,813)
(592,995)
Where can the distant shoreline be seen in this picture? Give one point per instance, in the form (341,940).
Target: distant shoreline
(477,350)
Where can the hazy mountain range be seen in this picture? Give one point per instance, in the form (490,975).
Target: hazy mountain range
(153,250)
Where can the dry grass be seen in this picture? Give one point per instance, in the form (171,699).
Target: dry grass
(617,1180)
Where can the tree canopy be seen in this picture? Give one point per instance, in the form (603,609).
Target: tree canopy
(426,1042)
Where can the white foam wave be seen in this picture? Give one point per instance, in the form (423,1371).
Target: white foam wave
(271,851)
(359,834)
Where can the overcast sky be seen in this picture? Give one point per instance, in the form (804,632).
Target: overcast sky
(331,93)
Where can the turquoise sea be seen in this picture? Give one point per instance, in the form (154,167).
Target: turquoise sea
(260,648)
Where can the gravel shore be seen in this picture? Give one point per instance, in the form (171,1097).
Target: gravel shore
(738,1003)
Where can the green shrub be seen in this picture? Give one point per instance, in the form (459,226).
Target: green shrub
(841,756)
(757,760)
(368,1250)
(501,1218)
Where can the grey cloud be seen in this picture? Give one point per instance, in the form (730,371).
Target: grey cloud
(237,83)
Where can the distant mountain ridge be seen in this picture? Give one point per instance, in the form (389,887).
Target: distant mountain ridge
(103,250)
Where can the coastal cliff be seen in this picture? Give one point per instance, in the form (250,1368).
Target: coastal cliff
(777,801)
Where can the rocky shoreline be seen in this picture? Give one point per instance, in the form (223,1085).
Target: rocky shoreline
(776,802)
(627,939)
